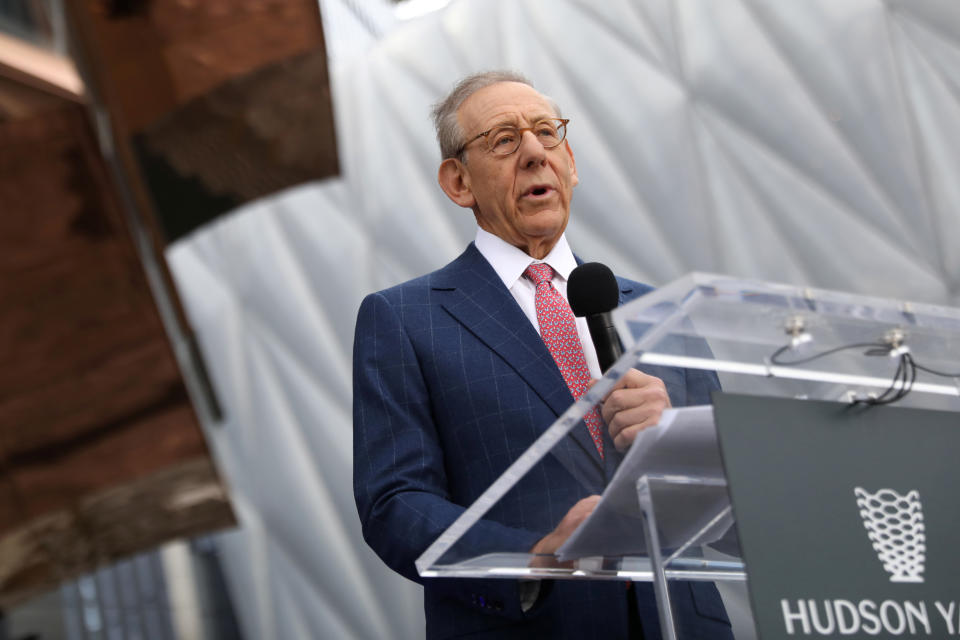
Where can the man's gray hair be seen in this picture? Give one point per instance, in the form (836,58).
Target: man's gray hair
(449,134)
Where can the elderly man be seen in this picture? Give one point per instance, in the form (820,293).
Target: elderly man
(456,373)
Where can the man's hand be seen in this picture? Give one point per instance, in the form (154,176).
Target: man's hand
(577,514)
(634,404)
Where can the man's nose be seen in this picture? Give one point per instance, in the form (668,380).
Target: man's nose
(532,152)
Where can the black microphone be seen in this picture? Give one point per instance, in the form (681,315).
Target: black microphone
(593,293)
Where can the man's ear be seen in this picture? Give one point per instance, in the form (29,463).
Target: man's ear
(455,182)
(574,180)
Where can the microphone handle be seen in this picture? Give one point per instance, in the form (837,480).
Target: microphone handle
(605,339)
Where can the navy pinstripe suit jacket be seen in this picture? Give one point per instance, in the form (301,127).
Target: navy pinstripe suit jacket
(451,384)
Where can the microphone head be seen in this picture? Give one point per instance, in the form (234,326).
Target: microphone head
(591,289)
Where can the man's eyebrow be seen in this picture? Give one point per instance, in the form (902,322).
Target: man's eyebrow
(506,121)
(513,121)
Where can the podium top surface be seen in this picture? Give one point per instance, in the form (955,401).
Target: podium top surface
(838,343)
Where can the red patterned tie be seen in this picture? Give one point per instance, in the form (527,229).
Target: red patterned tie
(559,331)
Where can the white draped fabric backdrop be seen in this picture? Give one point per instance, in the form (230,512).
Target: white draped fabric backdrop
(813,142)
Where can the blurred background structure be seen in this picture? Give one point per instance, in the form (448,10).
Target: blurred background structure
(814,143)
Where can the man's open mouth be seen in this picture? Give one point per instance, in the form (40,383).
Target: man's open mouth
(538,190)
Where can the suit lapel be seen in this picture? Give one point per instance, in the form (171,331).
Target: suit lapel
(470,291)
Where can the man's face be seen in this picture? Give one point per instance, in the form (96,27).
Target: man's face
(524,198)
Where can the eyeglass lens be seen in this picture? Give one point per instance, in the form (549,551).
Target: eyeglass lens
(505,140)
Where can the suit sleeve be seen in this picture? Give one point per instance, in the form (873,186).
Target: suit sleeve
(698,384)
(701,383)
(400,482)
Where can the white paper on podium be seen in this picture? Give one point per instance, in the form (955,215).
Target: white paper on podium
(684,443)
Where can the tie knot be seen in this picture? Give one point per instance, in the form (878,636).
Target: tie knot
(539,272)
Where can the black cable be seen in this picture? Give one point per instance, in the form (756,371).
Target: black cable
(935,372)
(885,398)
(903,379)
(906,375)
(816,356)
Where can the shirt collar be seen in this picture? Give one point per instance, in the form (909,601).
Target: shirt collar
(510,262)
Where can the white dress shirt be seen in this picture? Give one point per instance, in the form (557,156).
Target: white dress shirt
(510,262)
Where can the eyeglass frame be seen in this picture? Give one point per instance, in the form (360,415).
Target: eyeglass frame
(520,131)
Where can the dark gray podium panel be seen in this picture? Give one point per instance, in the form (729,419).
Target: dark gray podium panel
(848,516)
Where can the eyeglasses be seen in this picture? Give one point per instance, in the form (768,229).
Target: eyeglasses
(502,141)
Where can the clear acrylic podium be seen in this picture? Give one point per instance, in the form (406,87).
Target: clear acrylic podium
(762,339)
